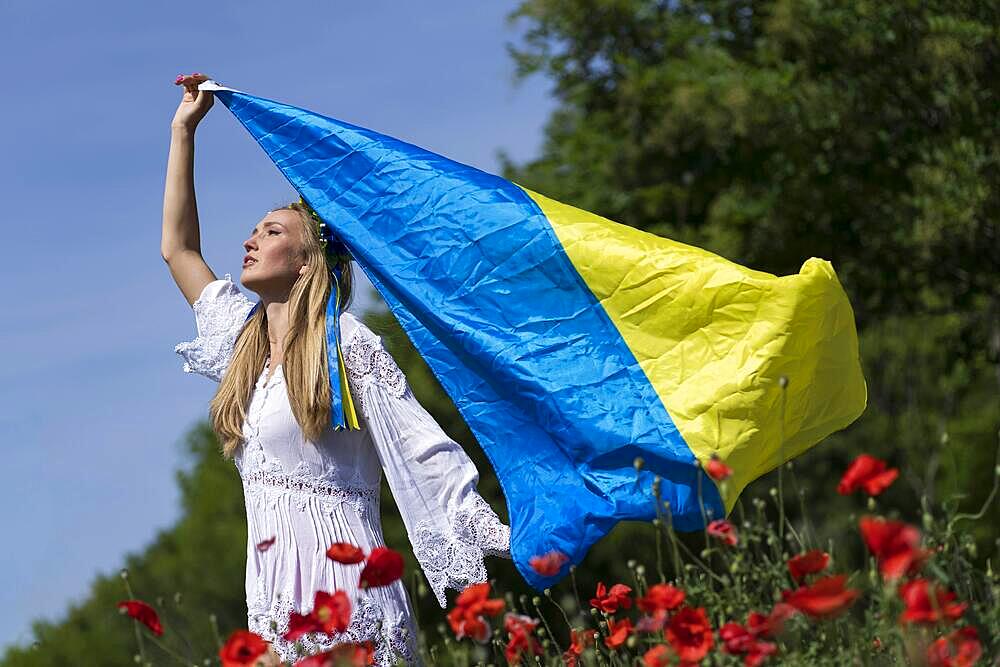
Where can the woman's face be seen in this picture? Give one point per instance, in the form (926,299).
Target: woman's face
(275,255)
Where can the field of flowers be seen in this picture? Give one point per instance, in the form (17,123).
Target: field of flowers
(760,591)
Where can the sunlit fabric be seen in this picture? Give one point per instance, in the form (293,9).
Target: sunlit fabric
(570,344)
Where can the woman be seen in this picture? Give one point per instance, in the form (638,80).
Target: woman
(307,485)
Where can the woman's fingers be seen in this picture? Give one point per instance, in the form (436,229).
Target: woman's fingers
(189,80)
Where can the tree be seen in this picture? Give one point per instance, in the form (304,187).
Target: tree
(771,131)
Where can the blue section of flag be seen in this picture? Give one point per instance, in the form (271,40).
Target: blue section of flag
(472,269)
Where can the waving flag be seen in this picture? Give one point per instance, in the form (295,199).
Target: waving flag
(572,345)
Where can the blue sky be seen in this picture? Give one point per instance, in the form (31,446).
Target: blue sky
(93,403)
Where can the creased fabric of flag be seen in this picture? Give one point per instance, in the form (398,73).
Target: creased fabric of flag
(570,344)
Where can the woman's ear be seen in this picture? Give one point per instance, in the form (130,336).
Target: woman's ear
(302,271)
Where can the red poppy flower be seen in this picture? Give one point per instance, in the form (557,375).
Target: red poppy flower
(264,545)
(868,473)
(916,596)
(242,649)
(723,530)
(735,638)
(759,652)
(548,565)
(300,624)
(961,648)
(661,597)
(771,625)
(658,656)
(618,632)
(345,553)
(690,634)
(810,562)
(143,613)
(896,546)
(522,640)
(466,619)
(610,601)
(355,655)
(579,640)
(475,600)
(738,640)
(332,612)
(718,470)
(384,567)
(826,597)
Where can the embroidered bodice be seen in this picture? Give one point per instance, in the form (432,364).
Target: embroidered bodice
(307,495)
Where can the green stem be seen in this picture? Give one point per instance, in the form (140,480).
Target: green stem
(989,500)
(169,651)
(135,625)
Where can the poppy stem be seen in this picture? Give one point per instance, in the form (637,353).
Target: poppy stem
(989,499)
(659,536)
(166,649)
(548,594)
(213,622)
(135,625)
(576,593)
(538,610)
(678,565)
(783,383)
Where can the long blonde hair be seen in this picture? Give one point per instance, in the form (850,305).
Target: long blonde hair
(305,362)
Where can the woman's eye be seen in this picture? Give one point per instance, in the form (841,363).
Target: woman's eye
(273,232)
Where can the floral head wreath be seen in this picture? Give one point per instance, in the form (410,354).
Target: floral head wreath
(332,247)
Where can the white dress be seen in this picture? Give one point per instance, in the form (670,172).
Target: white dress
(308,496)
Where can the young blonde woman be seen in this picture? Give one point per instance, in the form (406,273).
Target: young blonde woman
(306,484)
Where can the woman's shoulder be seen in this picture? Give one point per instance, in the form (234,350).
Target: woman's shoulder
(352,327)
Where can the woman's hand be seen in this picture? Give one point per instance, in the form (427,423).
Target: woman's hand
(195,103)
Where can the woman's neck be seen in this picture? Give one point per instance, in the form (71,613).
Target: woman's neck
(277,329)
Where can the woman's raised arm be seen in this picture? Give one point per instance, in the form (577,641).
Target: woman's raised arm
(180,244)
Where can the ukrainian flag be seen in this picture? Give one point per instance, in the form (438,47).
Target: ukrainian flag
(571,344)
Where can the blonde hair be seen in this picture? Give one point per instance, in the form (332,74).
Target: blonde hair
(307,378)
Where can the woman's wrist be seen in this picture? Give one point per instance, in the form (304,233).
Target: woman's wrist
(181,130)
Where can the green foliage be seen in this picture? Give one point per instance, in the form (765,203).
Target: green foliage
(863,132)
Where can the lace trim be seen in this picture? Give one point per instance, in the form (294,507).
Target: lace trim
(301,490)
(267,481)
(220,319)
(392,640)
(368,362)
(453,557)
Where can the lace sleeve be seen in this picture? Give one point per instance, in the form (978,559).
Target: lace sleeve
(219,313)
(450,526)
